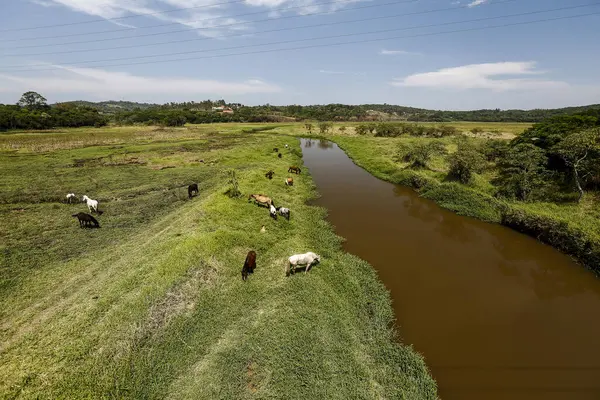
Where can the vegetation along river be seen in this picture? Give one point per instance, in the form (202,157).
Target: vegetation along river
(496,314)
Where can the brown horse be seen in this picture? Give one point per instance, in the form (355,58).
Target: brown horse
(294,169)
(249,265)
(279,155)
(261,199)
(289,181)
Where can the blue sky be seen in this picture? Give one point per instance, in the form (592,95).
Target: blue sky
(533,65)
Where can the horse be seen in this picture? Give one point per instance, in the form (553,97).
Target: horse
(92,204)
(307,259)
(279,155)
(261,199)
(284,212)
(193,188)
(276,150)
(289,182)
(249,264)
(70,198)
(86,219)
(270,174)
(294,169)
(286,146)
(273,212)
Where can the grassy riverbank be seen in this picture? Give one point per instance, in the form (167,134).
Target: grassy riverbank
(152,305)
(571,227)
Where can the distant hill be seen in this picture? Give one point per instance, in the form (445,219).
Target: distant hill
(343,112)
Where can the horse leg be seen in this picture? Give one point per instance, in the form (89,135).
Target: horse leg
(288,268)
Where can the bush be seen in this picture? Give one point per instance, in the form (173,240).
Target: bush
(361,129)
(465,162)
(522,172)
(495,149)
(476,131)
(420,154)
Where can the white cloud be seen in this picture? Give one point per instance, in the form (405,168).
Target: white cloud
(210,15)
(482,76)
(385,52)
(99,83)
(476,3)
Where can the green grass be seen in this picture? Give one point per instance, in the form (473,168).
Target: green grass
(152,305)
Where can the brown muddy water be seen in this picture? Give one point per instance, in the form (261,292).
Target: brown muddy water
(496,314)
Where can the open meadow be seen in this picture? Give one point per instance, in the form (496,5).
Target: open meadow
(152,304)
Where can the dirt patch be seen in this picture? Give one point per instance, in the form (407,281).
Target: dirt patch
(251,377)
(179,300)
(161,167)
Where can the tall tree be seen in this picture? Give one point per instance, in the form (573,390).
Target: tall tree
(32,100)
(522,170)
(581,153)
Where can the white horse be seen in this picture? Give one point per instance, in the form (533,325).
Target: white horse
(273,211)
(307,259)
(70,197)
(92,204)
(285,212)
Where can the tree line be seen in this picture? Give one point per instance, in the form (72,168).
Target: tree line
(33,112)
(555,160)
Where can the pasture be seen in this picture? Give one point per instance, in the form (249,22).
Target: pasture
(153,305)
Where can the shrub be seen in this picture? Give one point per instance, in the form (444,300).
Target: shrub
(522,172)
(420,154)
(495,149)
(361,129)
(234,190)
(476,131)
(465,162)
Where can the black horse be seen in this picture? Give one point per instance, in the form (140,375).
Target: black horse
(192,189)
(86,220)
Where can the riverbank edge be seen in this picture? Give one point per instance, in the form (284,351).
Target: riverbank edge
(468,202)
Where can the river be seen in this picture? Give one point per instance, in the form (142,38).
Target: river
(495,313)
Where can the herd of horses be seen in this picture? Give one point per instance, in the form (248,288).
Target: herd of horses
(307,259)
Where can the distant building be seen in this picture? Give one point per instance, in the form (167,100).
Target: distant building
(223,109)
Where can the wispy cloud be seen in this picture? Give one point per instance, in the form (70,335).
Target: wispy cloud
(209,15)
(102,84)
(385,52)
(326,71)
(482,76)
(476,3)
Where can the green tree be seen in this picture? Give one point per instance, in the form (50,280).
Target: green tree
(324,127)
(33,101)
(466,161)
(420,154)
(361,129)
(522,171)
(581,153)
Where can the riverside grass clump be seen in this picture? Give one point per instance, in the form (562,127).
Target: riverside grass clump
(152,305)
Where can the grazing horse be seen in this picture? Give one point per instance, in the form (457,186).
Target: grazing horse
(286,146)
(276,150)
(193,188)
(279,155)
(92,204)
(70,198)
(289,182)
(285,212)
(249,265)
(270,174)
(307,259)
(86,220)
(261,199)
(294,169)
(273,212)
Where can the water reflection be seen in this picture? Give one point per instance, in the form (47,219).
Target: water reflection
(465,292)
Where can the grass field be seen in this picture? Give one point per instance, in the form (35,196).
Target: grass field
(152,304)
